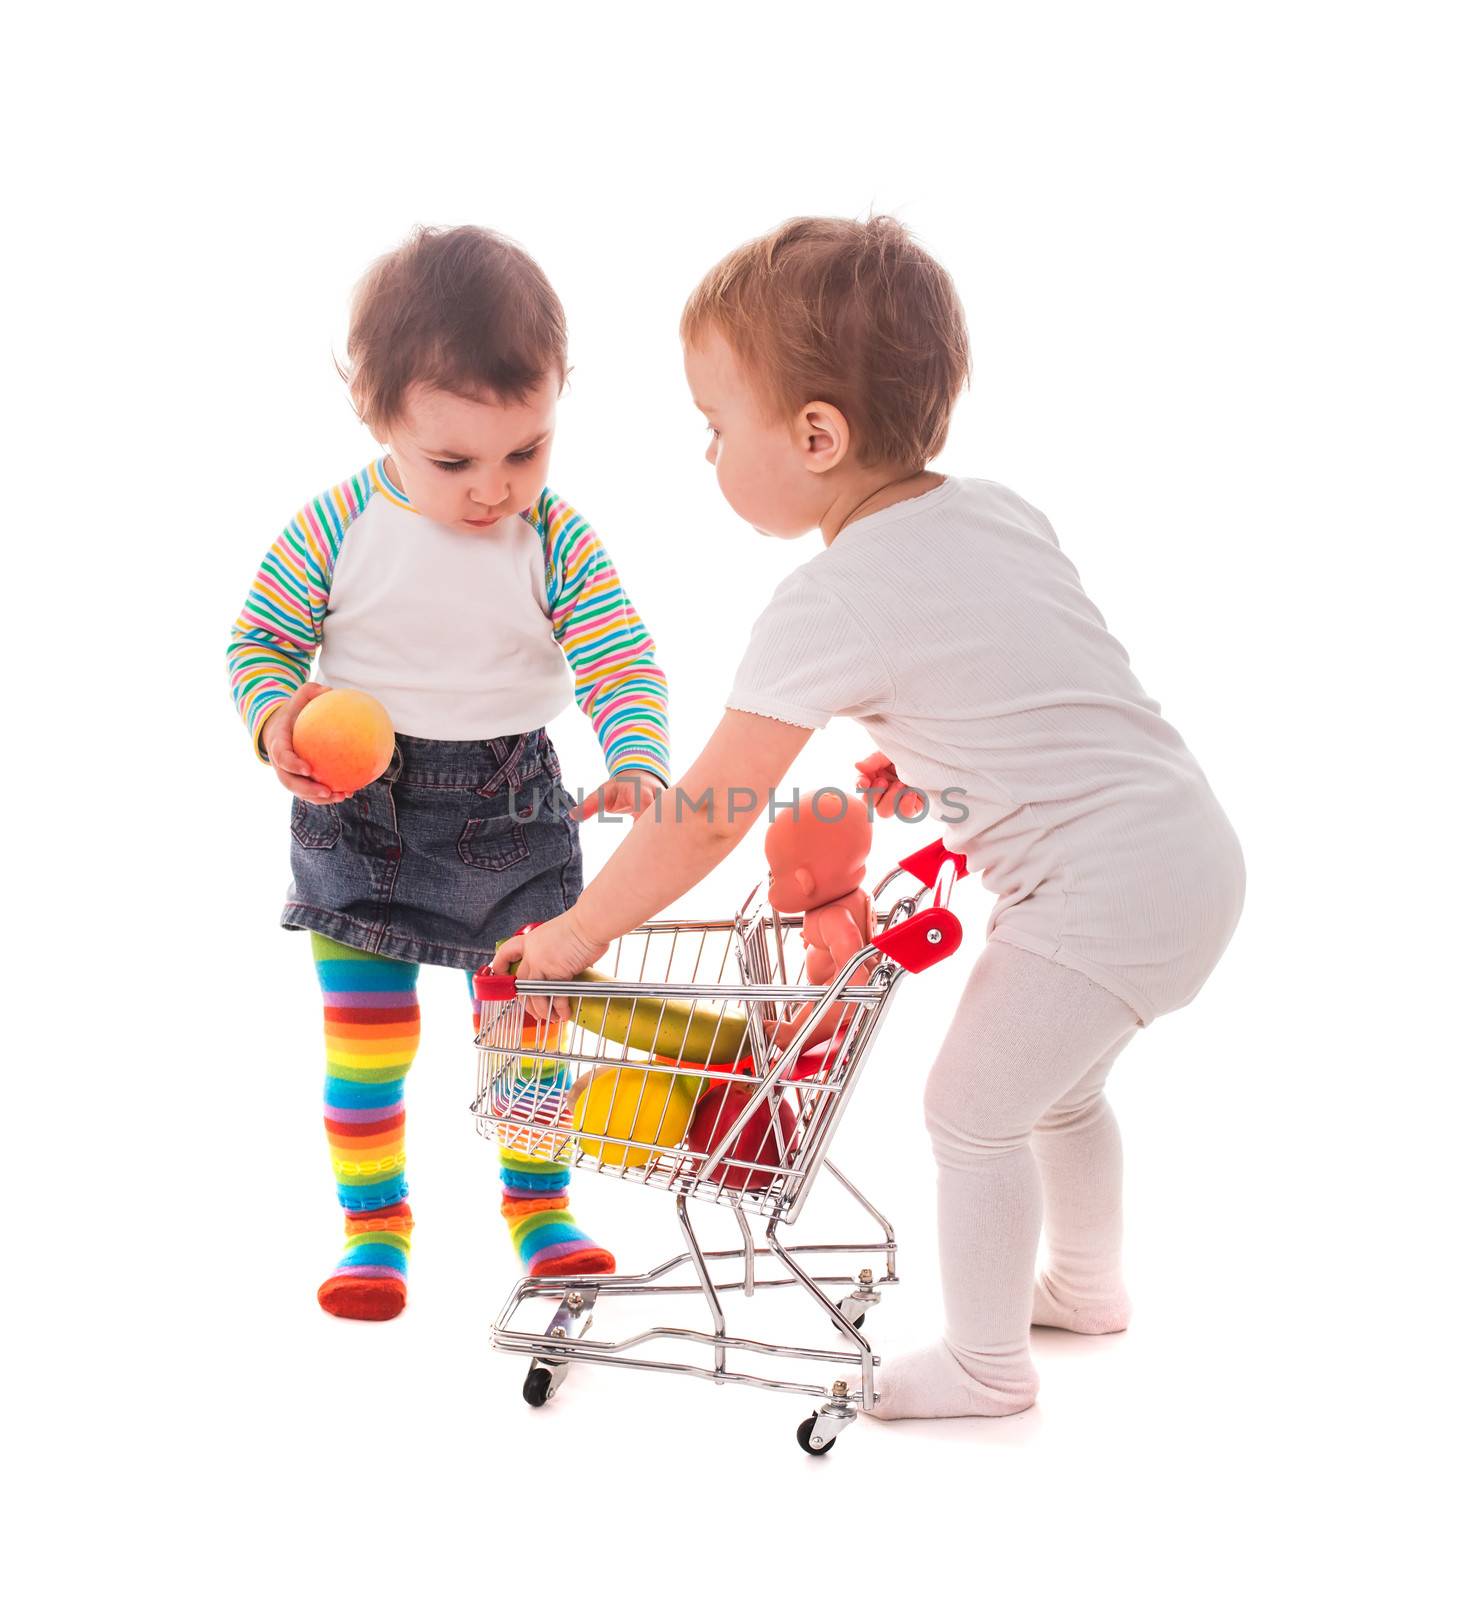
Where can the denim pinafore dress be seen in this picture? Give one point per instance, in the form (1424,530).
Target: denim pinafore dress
(457,846)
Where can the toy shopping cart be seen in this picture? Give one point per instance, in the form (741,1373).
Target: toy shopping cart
(704,1065)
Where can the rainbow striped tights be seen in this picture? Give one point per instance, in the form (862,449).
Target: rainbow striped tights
(371,1015)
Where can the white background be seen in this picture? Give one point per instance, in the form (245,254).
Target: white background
(1214,274)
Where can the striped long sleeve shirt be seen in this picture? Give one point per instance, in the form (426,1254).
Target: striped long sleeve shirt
(459,637)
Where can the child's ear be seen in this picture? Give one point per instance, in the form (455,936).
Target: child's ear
(823,436)
(807,880)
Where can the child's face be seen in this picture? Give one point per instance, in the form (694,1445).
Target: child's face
(770,472)
(470,463)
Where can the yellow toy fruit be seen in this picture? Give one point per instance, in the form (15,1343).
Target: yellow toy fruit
(664,1027)
(654,1107)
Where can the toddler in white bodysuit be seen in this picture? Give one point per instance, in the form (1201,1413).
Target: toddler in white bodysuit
(942,615)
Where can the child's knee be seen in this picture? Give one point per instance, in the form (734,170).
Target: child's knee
(964,1122)
(1084,1103)
(1066,1116)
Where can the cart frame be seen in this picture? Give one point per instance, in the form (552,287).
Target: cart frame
(755,1163)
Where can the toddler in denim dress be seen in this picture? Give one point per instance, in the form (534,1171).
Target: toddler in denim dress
(449,582)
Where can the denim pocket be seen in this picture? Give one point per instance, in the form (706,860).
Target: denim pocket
(315,827)
(493,843)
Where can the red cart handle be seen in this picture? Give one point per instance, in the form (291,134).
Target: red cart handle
(920,940)
(935,932)
(498,985)
(924,864)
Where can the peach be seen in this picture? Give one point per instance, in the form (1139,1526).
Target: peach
(347,738)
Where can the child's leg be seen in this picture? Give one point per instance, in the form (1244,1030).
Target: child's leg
(371,1035)
(534,1204)
(1026,1031)
(1079,1152)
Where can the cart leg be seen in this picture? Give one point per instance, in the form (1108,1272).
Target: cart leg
(546,1374)
(872,1212)
(838,1317)
(743,1221)
(706,1283)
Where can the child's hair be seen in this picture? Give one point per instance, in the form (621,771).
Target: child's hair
(462,309)
(853,313)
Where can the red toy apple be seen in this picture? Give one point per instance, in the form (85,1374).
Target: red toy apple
(715,1115)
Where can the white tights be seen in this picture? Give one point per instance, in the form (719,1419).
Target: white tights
(1021,1130)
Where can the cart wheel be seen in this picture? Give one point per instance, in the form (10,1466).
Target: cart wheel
(537,1386)
(803,1438)
(858,1321)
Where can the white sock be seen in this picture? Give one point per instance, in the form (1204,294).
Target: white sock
(1050,1310)
(932,1383)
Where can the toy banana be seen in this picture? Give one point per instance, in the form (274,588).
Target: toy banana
(673,1028)
(670,1028)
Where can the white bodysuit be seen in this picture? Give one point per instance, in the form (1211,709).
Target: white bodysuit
(955,631)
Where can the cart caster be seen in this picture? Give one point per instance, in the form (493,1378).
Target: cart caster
(547,1373)
(855,1306)
(803,1437)
(818,1433)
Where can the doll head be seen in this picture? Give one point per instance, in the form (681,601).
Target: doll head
(818,851)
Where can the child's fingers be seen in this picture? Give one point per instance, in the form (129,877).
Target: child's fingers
(295,706)
(631,800)
(588,807)
(307,788)
(508,954)
(900,801)
(285,759)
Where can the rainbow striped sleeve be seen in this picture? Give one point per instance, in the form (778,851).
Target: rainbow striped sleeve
(278,633)
(617,682)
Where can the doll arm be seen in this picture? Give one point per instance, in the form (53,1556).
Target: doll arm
(843,934)
(832,936)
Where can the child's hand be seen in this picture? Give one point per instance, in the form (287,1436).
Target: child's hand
(293,772)
(556,949)
(628,794)
(890,796)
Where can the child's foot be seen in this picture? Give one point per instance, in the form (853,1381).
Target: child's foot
(547,1238)
(1049,1310)
(579,1261)
(371,1280)
(363,1299)
(931,1383)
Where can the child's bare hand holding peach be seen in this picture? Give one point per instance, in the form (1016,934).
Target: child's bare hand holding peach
(293,770)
